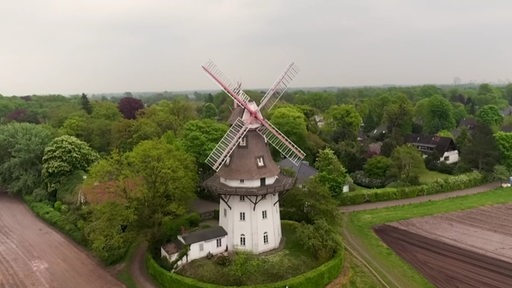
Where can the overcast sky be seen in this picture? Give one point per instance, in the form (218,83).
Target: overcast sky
(92,46)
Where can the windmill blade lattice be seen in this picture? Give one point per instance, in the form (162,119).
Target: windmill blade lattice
(227,144)
(227,85)
(279,87)
(281,142)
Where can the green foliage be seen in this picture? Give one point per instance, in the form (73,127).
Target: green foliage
(292,123)
(440,185)
(310,203)
(490,115)
(377,167)
(331,173)
(504,142)
(86,105)
(208,111)
(342,123)
(61,221)
(109,231)
(482,152)
(21,151)
(360,178)
(437,114)
(407,164)
(63,156)
(320,239)
(398,115)
(199,137)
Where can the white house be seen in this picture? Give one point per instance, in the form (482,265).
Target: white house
(201,243)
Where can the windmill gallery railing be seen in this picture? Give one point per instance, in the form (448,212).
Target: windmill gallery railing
(282,183)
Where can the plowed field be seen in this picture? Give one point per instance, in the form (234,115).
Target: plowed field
(34,255)
(464,249)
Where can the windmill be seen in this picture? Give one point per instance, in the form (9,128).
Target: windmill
(248,181)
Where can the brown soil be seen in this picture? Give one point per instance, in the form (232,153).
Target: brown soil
(463,249)
(32,254)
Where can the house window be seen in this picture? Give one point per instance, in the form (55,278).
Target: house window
(242,198)
(225,213)
(242,239)
(219,242)
(264,214)
(265,238)
(259,161)
(446,158)
(242,216)
(243,142)
(201,246)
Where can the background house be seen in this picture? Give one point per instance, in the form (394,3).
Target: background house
(427,144)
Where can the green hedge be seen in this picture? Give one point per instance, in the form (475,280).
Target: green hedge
(318,277)
(441,185)
(56,219)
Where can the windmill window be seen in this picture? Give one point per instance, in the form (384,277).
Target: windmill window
(264,214)
(242,216)
(242,198)
(243,142)
(228,160)
(242,239)
(265,238)
(225,213)
(259,161)
(242,181)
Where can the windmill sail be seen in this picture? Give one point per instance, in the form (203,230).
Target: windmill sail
(278,88)
(281,142)
(230,87)
(227,144)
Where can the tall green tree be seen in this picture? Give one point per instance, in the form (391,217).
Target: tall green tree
(331,172)
(292,123)
(86,105)
(21,151)
(490,115)
(342,123)
(504,142)
(63,156)
(438,115)
(199,137)
(481,152)
(407,164)
(398,117)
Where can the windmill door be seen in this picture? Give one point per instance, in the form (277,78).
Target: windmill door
(262,181)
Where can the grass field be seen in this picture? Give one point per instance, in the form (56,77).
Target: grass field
(428,176)
(360,224)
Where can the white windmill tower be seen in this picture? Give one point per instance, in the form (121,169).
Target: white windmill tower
(248,181)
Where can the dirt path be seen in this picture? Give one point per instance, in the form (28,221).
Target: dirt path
(440,196)
(138,269)
(32,254)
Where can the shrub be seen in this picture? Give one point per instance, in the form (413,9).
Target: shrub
(361,179)
(396,192)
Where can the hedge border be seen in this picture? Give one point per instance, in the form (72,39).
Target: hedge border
(462,181)
(318,277)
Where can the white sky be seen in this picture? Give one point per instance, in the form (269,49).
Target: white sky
(91,46)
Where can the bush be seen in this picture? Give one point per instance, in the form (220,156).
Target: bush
(361,179)
(397,192)
(56,219)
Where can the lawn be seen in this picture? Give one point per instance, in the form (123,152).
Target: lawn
(428,176)
(249,269)
(359,225)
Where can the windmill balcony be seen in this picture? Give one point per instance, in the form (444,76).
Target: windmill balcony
(281,184)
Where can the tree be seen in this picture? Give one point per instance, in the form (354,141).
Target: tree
(342,123)
(481,152)
(407,164)
(63,156)
(209,111)
(490,115)
(351,154)
(398,117)
(292,123)
(438,115)
(167,180)
(331,172)
(321,239)
(128,106)
(21,151)
(109,231)
(310,203)
(377,167)
(86,105)
(504,142)
(199,137)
